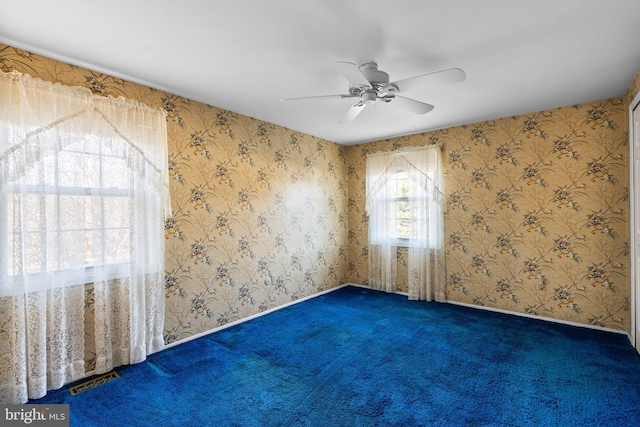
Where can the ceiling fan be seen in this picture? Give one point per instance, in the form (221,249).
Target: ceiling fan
(369,85)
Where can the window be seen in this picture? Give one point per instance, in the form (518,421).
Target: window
(75,210)
(405,204)
(84,193)
(408,212)
(404,198)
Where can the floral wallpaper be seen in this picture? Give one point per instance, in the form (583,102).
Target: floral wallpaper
(634,89)
(537,218)
(259,211)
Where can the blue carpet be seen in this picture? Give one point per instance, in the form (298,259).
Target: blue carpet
(356,357)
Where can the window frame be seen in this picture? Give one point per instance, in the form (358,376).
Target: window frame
(414,194)
(23,188)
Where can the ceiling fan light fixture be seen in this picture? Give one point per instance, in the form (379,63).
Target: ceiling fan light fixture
(369,97)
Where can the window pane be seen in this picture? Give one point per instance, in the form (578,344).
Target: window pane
(404,229)
(36,176)
(403,209)
(116,173)
(78,169)
(72,211)
(403,188)
(87,144)
(48,204)
(117,211)
(34,256)
(34,219)
(94,215)
(116,246)
(66,250)
(92,247)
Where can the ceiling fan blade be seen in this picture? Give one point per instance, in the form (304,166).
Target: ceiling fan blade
(320,97)
(412,105)
(352,73)
(353,112)
(452,75)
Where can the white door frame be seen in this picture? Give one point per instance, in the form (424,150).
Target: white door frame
(634,217)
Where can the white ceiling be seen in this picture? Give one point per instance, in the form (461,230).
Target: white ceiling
(246,55)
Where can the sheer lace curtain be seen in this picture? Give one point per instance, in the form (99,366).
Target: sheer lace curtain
(83,198)
(408,214)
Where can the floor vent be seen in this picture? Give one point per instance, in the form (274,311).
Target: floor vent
(94,382)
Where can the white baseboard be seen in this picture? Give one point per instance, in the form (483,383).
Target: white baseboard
(497,310)
(515,313)
(546,319)
(245,319)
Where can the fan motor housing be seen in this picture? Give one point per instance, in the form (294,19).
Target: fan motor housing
(375,76)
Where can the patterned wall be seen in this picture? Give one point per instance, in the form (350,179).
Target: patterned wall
(537,217)
(634,88)
(537,220)
(259,211)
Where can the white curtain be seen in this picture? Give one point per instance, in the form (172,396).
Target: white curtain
(83,198)
(405,204)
